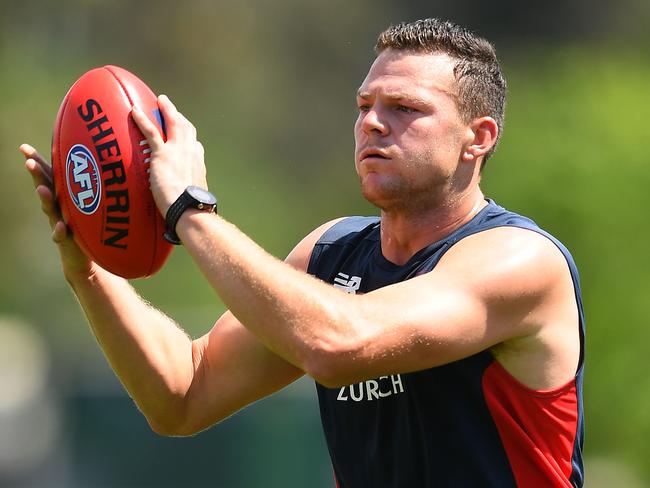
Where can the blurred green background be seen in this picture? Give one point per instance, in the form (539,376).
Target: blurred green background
(270,86)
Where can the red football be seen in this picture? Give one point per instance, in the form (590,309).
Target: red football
(100,162)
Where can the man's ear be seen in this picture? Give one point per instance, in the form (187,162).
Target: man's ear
(486,131)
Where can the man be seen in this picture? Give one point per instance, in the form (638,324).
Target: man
(448,352)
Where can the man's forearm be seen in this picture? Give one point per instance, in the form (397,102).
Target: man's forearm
(148,352)
(295,315)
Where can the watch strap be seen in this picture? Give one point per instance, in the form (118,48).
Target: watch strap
(176,209)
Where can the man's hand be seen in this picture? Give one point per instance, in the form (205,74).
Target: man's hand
(177,163)
(76,265)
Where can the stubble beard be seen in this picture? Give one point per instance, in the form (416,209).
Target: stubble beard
(409,197)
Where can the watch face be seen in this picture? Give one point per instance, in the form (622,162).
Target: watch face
(201,195)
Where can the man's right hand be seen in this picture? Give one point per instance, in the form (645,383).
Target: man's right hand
(181,386)
(76,265)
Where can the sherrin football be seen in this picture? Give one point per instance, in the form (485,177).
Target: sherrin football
(100,161)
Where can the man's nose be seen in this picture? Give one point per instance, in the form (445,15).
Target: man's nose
(374,122)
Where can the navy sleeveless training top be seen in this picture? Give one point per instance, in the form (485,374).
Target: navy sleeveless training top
(468,423)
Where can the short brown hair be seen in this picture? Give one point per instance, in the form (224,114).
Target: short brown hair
(481,84)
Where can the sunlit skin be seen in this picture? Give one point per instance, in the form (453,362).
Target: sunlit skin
(506,289)
(417,159)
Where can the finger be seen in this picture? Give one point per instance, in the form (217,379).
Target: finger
(189,131)
(59,232)
(49,205)
(39,177)
(173,118)
(148,129)
(30,153)
(163,100)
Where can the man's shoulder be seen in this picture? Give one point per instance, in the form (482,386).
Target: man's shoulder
(330,232)
(347,228)
(505,260)
(334,232)
(501,231)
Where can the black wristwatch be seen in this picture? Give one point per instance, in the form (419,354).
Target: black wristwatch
(192,197)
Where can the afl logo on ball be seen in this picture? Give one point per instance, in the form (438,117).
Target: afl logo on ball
(82,175)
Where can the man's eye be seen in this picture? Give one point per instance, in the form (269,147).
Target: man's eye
(364,108)
(404,108)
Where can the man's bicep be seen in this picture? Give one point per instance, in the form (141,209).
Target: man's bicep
(489,289)
(422,323)
(232,370)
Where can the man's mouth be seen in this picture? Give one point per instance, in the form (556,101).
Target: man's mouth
(373,153)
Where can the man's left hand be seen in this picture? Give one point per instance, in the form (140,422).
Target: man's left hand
(176,163)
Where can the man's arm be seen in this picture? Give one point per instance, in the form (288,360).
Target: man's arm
(180,385)
(507,287)
(232,367)
(502,287)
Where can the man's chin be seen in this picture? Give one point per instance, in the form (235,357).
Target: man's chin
(380,199)
(400,200)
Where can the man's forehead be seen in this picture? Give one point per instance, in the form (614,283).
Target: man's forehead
(407,71)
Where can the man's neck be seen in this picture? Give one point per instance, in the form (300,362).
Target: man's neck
(404,233)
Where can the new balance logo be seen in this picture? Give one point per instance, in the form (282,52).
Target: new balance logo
(349,284)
